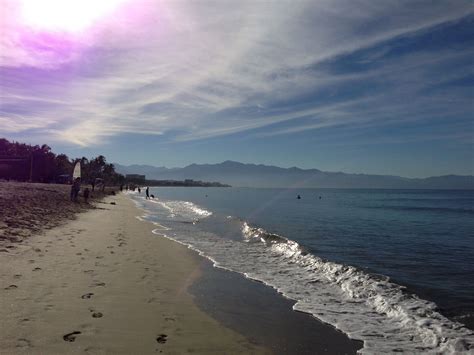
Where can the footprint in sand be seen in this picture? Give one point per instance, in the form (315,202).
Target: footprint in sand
(11,287)
(97,315)
(162,338)
(153,300)
(99,284)
(71,336)
(94,350)
(87,295)
(23,343)
(17,276)
(36,269)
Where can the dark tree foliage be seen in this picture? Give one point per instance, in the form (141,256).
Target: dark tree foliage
(24,162)
(98,168)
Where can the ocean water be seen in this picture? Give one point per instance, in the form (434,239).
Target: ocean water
(393,268)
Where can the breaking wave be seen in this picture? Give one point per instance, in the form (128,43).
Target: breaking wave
(369,307)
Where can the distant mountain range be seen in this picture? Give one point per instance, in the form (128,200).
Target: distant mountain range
(252,175)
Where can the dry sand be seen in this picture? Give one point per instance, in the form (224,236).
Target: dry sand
(26,209)
(104,284)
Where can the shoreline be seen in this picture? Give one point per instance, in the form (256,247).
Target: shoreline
(102,283)
(265,316)
(268,319)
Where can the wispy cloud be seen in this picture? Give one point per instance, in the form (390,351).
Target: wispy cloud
(195,70)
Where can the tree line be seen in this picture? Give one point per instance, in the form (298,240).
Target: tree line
(25,162)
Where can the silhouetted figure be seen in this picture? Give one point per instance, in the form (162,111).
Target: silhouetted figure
(139,190)
(75,188)
(121,188)
(147,192)
(298,197)
(86,195)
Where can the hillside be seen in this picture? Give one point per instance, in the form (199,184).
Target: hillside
(252,175)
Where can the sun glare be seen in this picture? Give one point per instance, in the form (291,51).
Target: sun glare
(66,15)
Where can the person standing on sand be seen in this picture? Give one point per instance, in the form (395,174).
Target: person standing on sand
(71,195)
(147,192)
(75,188)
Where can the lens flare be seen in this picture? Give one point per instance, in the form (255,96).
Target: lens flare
(66,15)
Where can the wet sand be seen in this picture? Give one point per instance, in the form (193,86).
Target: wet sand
(264,316)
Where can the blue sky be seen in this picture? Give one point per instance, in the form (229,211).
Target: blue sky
(382,87)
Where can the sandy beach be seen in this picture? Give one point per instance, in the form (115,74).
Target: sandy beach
(29,208)
(103,284)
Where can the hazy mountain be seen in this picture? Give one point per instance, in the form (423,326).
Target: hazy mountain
(252,175)
(148,170)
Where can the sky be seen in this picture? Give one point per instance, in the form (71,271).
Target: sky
(379,87)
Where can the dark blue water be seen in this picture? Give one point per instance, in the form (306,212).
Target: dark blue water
(419,238)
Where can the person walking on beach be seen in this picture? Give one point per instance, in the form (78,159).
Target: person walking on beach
(147,192)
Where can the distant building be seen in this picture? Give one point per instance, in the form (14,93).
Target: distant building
(135,178)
